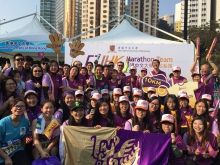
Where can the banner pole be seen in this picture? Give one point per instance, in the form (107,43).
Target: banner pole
(58,58)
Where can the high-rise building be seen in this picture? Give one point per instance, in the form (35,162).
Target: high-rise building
(68,17)
(128,7)
(177,19)
(169,18)
(200,12)
(47,11)
(98,12)
(146,11)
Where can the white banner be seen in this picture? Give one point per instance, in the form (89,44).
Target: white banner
(141,55)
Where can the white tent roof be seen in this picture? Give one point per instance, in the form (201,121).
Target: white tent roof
(126,33)
(33,28)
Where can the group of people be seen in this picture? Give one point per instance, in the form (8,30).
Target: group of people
(34,98)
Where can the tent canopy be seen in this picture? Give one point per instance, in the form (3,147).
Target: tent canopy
(126,33)
(28,40)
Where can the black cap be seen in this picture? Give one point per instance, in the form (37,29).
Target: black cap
(77,105)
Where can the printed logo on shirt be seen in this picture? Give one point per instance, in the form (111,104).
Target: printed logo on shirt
(22,131)
(8,133)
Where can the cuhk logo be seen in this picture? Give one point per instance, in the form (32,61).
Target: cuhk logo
(112,49)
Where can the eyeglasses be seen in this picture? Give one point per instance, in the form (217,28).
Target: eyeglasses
(19,59)
(44,63)
(10,84)
(37,71)
(120,65)
(154,104)
(19,106)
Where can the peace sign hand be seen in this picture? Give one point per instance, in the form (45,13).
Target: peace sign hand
(75,48)
(57,42)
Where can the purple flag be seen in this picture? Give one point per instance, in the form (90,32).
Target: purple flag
(40,54)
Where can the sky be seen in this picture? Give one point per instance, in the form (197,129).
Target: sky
(12,9)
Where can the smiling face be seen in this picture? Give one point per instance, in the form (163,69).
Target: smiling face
(171,104)
(48,109)
(79,98)
(98,71)
(78,113)
(183,102)
(200,108)
(69,99)
(205,69)
(133,72)
(89,66)
(198,126)
(196,78)
(153,106)
(140,113)
(116,97)
(31,100)
(93,103)
(54,67)
(17,77)
(73,72)
(176,73)
(18,109)
(124,105)
(10,85)
(167,127)
(155,64)
(19,61)
(37,72)
(104,108)
(136,98)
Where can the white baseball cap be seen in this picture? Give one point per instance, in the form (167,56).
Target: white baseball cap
(79,92)
(154,95)
(137,92)
(207,97)
(30,92)
(181,92)
(142,104)
(117,91)
(127,89)
(96,96)
(167,118)
(176,68)
(123,98)
(133,89)
(151,89)
(93,92)
(104,91)
(132,68)
(184,95)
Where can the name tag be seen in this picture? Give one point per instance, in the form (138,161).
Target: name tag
(22,131)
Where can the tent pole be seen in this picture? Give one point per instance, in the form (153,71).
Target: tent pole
(157,29)
(118,22)
(50,25)
(17,19)
(95,28)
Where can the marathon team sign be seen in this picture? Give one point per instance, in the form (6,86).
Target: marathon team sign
(159,82)
(140,55)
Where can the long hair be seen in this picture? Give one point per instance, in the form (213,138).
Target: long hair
(77,75)
(127,114)
(3,87)
(191,136)
(97,115)
(32,77)
(176,108)
(145,121)
(66,111)
(206,114)
(157,112)
(72,121)
(50,64)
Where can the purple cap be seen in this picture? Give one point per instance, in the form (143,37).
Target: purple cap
(68,93)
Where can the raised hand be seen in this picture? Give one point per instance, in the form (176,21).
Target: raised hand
(75,48)
(173,138)
(51,95)
(57,42)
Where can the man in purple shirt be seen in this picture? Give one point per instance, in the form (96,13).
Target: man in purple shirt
(18,65)
(209,89)
(98,81)
(176,76)
(156,66)
(82,77)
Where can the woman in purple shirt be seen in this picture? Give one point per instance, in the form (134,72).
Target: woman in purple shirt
(35,81)
(103,116)
(52,81)
(154,114)
(200,143)
(7,94)
(140,120)
(123,109)
(167,126)
(73,81)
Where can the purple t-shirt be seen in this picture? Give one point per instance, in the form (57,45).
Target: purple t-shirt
(153,124)
(200,91)
(75,84)
(174,81)
(23,74)
(188,112)
(127,81)
(199,158)
(155,73)
(172,159)
(209,88)
(82,79)
(117,120)
(112,85)
(99,84)
(47,81)
(121,75)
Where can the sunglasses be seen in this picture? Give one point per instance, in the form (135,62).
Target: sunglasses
(111,65)
(37,71)
(19,59)
(176,71)
(44,63)
(120,65)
